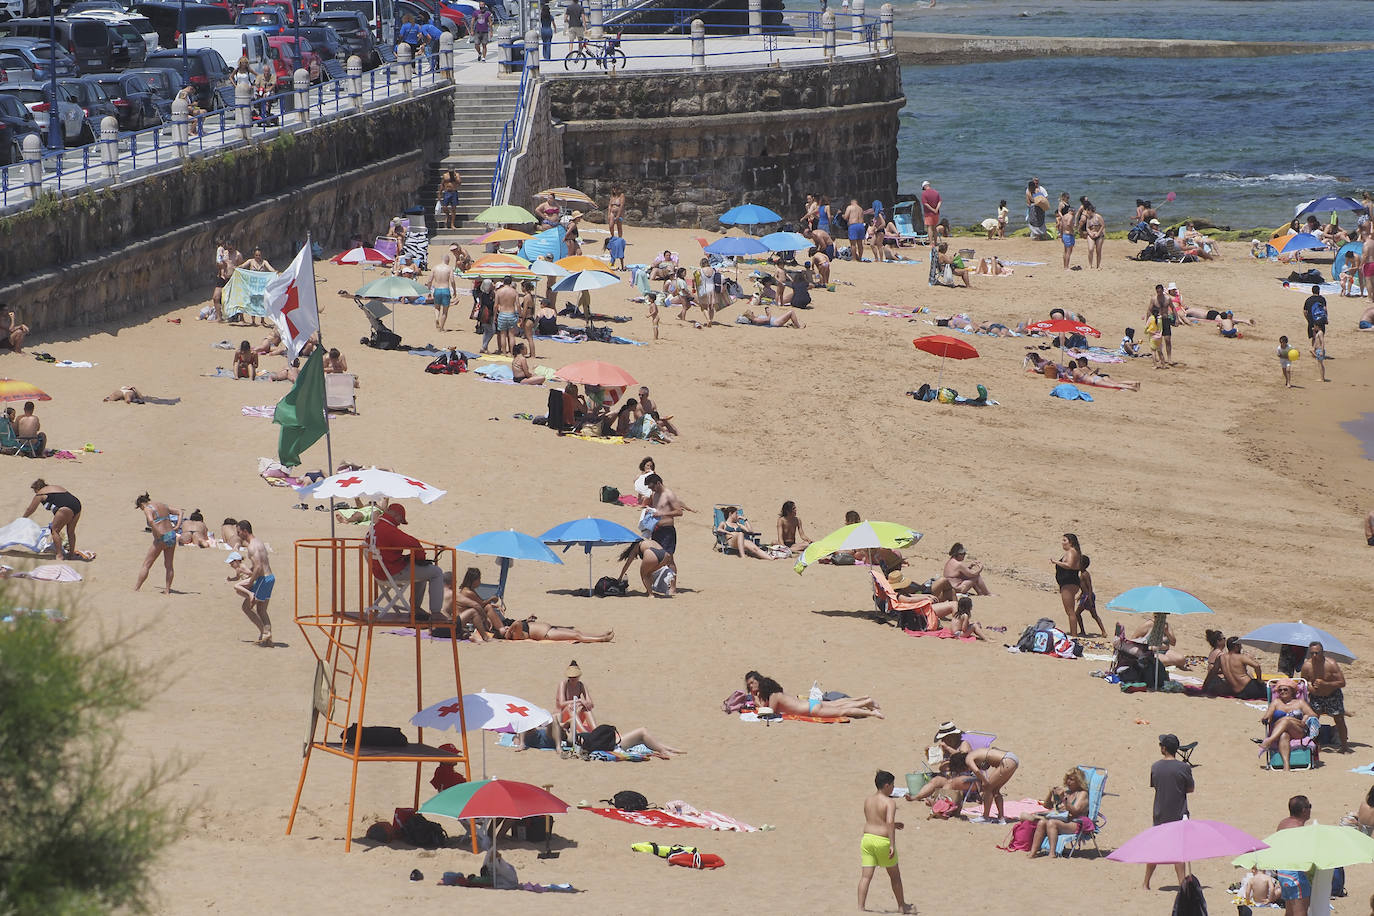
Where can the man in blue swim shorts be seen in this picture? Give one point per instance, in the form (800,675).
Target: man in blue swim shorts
(854,217)
(443,284)
(878,848)
(254,583)
(1063,221)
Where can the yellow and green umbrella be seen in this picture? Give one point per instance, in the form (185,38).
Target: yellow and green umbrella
(505,214)
(862,536)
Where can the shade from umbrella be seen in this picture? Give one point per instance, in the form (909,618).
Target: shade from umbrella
(1327,205)
(493,798)
(736,247)
(361,255)
(548,269)
(1185,841)
(1301,241)
(1157,599)
(373,483)
(786,241)
(584,280)
(505,214)
(945,347)
(568,195)
(858,537)
(508,546)
(12,389)
(1274,636)
(749,215)
(393,288)
(589,533)
(549,242)
(501,235)
(493,712)
(1311,846)
(578,262)
(594,372)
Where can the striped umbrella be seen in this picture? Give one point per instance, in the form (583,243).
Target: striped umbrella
(11,389)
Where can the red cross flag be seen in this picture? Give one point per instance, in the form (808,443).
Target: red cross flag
(290,303)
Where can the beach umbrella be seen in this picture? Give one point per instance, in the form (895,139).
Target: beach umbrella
(493,798)
(490,712)
(548,269)
(497,260)
(508,546)
(858,537)
(393,288)
(786,241)
(11,389)
(1157,599)
(498,272)
(1062,328)
(1338,263)
(945,347)
(549,242)
(578,262)
(1274,636)
(1185,841)
(374,483)
(361,255)
(749,215)
(594,372)
(1325,204)
(501,235)
(733,246)
(505,214)
(568,195)
(585,280)
(1314,846)
(589,533)
(1301,241)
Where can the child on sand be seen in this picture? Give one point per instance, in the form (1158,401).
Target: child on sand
(652,300)
(1319,350)
(1350,275)
(1284,362)
(879,843)
(1087,598)
(1128,345)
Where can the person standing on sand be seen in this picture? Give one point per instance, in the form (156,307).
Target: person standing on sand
(615,214)
(1285,363)
(1172,780)
(664,506)
(1066,577)
(879,844)
(227,258)
(930,207)
(443,285)
(166,533)
(1096,229)
(1326,697)
(854,217)
(257,591)
(1063,221)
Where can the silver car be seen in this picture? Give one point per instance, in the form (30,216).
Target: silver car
(76,131)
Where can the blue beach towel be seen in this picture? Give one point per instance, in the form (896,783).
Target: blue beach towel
(1070,393)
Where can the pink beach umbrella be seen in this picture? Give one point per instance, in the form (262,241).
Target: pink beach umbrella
(1186,841)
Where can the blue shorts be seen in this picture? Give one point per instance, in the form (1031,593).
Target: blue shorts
(450,199)
(261,587)
(1229,333)
(506,320)
(441,296)
(1295,885)
(856,231)
(1067,238)
(1319,353)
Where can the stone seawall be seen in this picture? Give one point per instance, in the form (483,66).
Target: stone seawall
(108,253)
(938,48)
(688,146)
(540,165)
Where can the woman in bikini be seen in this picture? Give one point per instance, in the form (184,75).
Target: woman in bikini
(791,532)
(768,692)
(484,615)
(66,512)
(1287,718)
(788,318)
(1086,375)
(194,532)
(737,536)
(572,696)
(245,361)
(524,307)
(1000,767)
(159,517)
(1066,578)
(533,628)
(652,557)
(946,793)
(1068,804)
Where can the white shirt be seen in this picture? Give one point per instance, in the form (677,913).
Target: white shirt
(641,488)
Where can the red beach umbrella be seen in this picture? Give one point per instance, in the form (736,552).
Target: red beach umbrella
(1063,327)
(594,372)
(361,256)
(945,347)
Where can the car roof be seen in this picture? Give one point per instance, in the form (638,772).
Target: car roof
(24,84)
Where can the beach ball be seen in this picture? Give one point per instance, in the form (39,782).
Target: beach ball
(1293,355)
(1171,197)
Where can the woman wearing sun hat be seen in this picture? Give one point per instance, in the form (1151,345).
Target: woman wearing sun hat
(573,701)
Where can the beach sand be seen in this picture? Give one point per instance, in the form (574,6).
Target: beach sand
(1212,478)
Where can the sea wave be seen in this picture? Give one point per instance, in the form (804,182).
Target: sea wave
(1238,178)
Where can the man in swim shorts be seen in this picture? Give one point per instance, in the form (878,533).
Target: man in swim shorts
(879,844)
(257,590)
(443,284)
(1063,221)
(854,217)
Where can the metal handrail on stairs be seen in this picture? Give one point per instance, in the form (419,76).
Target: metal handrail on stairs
(513,135)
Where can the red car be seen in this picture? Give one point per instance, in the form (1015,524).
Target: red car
(288,59)
(289,8)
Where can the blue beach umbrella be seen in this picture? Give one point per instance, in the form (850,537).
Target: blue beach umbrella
(1328,204)
(1339,263)
(1274,636)
(549,242)
(733,247)
(1157,599)
(1302,241)
(508,546)
(585,279)
(589,533)
(749,215)
(786,241)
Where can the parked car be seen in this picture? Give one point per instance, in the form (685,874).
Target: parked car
(134,97)
(142,25)
(11,9)
(166,18)
(324,40)
(206,72)
(288,7)
(14,67)
(91,96)
(354,34)
(38,55)
(233,42)
(451,19)
(19,123)
(86,6)
(165,84)
(289,59)
(37,97)
(379,15)
(94,43)
(270,20)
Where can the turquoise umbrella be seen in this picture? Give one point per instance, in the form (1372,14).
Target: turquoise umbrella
(1158,599)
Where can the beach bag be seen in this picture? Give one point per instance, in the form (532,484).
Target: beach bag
(606,587)
(534,829)
(610,495)
(843,559)
(908,619)
(601,738)
(647,521)
(943,808)
(737,702)
(422,832)
(376,736)
(1022,832)
(696,860)
(629,800)
(664,580)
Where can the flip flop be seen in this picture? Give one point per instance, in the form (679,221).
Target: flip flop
(86,555)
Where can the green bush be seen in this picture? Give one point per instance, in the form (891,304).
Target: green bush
(75,838)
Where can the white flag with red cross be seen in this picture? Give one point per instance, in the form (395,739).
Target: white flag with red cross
(290,303)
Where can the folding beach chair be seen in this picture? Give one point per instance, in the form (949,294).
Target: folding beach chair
(389,595)
(718,516)
(907,233)
(340,392)
(888,602)
(1070,843)
(1303,753)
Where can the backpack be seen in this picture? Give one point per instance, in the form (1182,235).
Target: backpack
(610,495)
(908,619)
(420,831)
(601,738)
(1021,835)
(606,587)
(629,800)
(1318,312)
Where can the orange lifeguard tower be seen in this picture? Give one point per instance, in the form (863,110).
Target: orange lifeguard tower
(342,597)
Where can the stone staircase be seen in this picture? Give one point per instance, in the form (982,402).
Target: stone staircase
(479,113)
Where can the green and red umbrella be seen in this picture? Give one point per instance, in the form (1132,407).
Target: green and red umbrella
(493,798)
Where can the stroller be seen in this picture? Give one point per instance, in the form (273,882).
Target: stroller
(381,338)
(1155,248)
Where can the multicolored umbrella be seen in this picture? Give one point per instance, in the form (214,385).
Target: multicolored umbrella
(361,255)
(548,269)
(393,288)
(493,798)
(490,712)
(11,389)
(497,259)
(568,195)
(945,347)
(1186,841)
(501,235)
(862,536)
(585,280)
(1062,328)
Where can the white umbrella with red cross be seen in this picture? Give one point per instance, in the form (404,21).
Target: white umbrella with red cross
(492,712)
(373,483)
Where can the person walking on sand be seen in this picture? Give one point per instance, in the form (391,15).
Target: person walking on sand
(878,847)
(1285,363)
(1326,680)
(930,208)
(664,506)
(443,284)
(257,582)
(1172,780)
(854,217)
(165,524)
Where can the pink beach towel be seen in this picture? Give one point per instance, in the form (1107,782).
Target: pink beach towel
(941,633)
(642,818)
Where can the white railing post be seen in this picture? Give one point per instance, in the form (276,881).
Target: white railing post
(33,165)
(109,146)
(856,26)
(698,45)
(301,85)
(446,54)
(532,51)
(828,33)
(355,82)
(180,128)
(885,28)
(595,19)
(755,17)
(243,108)
(406,58)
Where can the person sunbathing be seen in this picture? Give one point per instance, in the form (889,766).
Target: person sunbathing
(194,532)
(1000,767)
(1235,676)
(1035,364)
(1168,654)
(572,700)
(1287,718)
(791,532)
(1086,375)
(737,535)
(769,693)
(229,533)
(128,394)
(1068,804)
(245,361)
(520,368)
(534,629)
(960,623)
(288,374)
(652,557)
(12,333)
(788,318)
(946,793)
(629,740)
(271,346)
(964,578)
(468,607)
(964,322)
(1260,889)
(953,265)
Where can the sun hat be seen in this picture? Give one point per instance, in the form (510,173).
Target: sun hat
(233,557)
(576,214)
(946,729)
(897,580)
(397,512)
(573,670)
(1171,286)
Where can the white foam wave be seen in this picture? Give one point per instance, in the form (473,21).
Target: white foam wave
(1237,178)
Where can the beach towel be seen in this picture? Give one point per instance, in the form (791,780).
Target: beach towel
(643,818)
(51,572)
(1070,393)
(1013,810)
(243,294)
(68,364)
(407,631)
(711,820)
(1096,354)
(604,440)
(1366,770)
(823,720)
(882,313)
(265,410)
(941,633)
(26,533)
(637,754)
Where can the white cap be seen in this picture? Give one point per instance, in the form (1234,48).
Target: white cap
(233,557)
(925,184)
(1171,285)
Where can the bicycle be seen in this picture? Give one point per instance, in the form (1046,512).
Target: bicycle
(606,54)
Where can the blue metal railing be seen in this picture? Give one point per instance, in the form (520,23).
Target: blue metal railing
(512,136)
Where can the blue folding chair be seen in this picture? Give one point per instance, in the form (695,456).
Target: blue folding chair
(1070,843)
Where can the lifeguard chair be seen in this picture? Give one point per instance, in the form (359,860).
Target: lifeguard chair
(340,604)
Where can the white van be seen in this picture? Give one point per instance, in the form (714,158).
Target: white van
(381,13)
(232,43)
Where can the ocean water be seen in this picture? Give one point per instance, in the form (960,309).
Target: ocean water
(1239,141)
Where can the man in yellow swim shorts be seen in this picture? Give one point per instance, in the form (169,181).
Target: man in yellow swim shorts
(879,844)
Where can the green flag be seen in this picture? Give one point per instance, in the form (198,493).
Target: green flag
(301,413)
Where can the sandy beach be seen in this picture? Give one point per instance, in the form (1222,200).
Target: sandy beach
(1212,478)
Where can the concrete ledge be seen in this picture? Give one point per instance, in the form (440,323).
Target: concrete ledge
(940,48)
